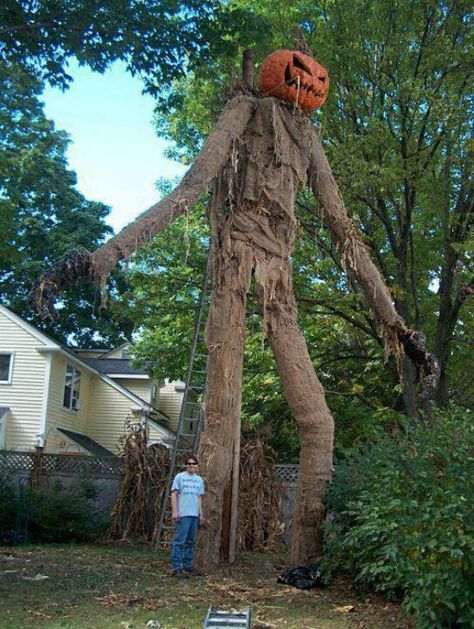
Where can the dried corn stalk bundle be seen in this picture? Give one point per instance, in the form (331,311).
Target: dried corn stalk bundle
(137,509)
(259,500)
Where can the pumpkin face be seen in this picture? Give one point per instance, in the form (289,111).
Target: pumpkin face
(294,77)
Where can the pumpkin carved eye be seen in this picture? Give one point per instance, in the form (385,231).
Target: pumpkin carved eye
(299,63)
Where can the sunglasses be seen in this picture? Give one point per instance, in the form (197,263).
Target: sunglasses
(192,463)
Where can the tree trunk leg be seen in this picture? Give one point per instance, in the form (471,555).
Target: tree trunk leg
(225,341)
(305,396)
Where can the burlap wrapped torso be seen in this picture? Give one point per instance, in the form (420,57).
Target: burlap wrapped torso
(252,209)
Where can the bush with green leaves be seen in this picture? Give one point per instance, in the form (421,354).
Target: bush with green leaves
(7,507)
(66,514)
(55,514)
(402,518)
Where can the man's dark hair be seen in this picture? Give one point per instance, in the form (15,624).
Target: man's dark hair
(193,459)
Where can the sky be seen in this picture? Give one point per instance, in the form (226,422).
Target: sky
(114,148)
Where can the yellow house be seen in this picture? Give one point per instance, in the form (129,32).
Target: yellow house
(75,400)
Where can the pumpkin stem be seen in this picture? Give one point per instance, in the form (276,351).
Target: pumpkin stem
(248,68)
(300,41)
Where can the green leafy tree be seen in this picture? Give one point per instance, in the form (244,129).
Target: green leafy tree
(158,40)
(43,215)
(397,128)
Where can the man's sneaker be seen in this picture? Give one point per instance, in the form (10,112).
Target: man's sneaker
(180,574)
(194,572)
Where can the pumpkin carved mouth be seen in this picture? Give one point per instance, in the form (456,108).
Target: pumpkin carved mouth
(294,80)
(294,77)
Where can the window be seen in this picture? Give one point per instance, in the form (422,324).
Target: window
(6,367)
(72,386)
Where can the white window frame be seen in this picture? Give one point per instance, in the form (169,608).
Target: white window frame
(10,369)
(75,371)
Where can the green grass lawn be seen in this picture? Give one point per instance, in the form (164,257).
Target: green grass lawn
(98,586)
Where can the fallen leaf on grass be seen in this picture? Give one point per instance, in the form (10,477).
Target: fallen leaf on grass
(189,598)
(117,600)
(126,600)
(345,609)
(38,614)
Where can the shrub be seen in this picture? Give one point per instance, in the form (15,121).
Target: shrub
(65,514)
(403,518)
(59,514)
(7,508)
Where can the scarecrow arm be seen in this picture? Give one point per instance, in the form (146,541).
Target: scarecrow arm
(398,339)
(98,265)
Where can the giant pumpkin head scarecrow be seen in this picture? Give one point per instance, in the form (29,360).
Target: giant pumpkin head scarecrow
(294,77)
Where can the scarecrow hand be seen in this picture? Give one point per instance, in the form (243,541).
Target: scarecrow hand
(414,344)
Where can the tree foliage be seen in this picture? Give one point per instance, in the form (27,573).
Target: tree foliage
(158,40)
(402,522)
(42,214)
(397,131)
(396,128)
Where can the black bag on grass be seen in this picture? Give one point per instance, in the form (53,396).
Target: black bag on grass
(303,577)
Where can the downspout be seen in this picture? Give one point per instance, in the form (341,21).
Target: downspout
(40,438)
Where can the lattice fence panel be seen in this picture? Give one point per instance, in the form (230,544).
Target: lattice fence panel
(286,473)
(106,466)
(65,463)
(11,460)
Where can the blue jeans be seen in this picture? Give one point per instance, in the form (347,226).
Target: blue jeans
(183,542)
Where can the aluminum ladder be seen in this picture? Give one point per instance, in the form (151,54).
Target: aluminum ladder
(218,619)
(191,416)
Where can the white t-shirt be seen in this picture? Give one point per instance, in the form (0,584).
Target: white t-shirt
(188,487)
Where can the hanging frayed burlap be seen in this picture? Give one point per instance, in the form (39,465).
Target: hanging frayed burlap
(252,211)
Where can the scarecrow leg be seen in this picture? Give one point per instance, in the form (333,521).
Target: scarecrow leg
(305,396)
(225,341)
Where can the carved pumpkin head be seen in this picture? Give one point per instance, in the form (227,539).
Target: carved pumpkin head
(294,77)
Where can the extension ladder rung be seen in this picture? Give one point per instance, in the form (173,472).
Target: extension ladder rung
(194,424)
(220,619)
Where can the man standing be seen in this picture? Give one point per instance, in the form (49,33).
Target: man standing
(186,504)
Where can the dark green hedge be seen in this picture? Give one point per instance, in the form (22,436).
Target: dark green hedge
(61,514)
(402,518)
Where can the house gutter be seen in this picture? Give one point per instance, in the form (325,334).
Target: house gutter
(42,434)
